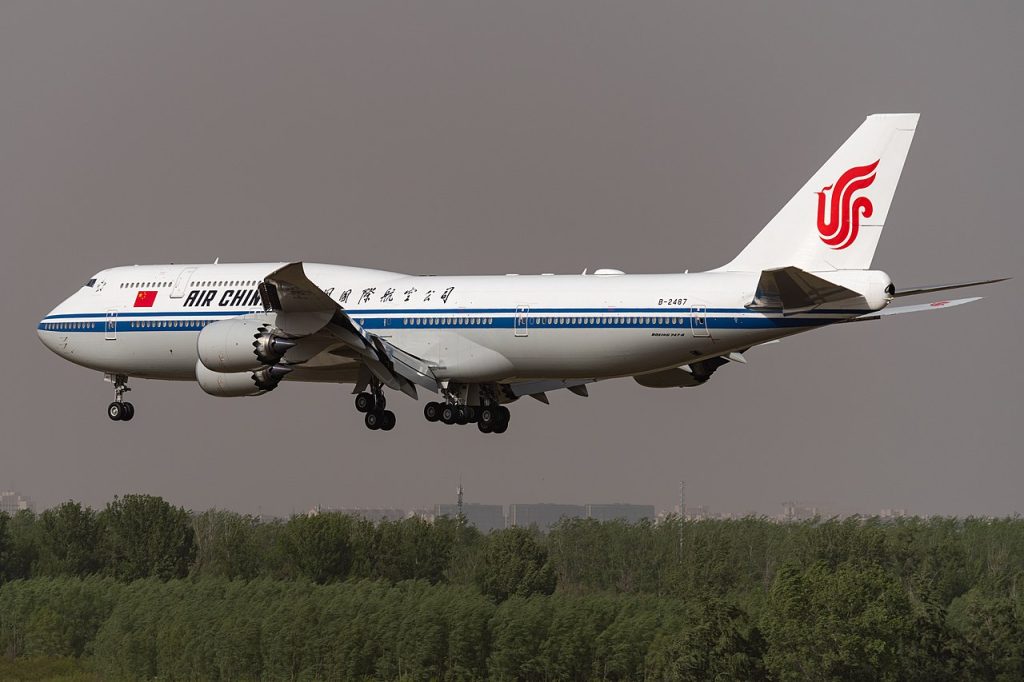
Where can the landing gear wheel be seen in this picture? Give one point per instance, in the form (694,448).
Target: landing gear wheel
(365,402)
(432,411)
(485,428)
(388,420)
(116,411)
(503,414)
(461,416)
(373,420)
(488,415)
(448,414)
(500,427)
(472,414)
(129,412)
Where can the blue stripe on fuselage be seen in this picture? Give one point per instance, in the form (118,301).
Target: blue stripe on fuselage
(485,318)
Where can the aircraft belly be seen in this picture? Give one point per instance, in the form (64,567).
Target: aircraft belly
(154,355)
(496,355)
(492,355)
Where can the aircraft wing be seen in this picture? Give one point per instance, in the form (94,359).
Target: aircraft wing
(303,311)
(695,373)
(538,389)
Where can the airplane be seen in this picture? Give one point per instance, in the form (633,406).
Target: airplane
(482,342)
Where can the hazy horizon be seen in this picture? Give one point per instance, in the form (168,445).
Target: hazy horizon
(516,137)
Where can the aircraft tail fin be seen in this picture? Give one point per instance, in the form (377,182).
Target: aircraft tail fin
(835,220)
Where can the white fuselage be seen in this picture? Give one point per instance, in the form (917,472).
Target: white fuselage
(467,328)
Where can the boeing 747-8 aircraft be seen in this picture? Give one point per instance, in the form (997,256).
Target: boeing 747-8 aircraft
(482,342)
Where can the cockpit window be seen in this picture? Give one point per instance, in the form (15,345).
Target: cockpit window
(91,282)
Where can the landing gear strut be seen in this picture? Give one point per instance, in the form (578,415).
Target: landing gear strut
(373,405)
(120,410)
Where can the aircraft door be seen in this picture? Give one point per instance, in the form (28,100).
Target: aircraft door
(110,328)
(522,320)
(699,321)
(181,284)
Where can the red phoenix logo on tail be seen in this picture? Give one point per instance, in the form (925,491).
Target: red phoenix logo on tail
(839,229)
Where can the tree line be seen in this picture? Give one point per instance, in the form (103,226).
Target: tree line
(145,589)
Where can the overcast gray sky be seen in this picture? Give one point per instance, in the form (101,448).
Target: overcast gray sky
(492,137)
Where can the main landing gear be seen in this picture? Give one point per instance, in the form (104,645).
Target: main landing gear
(120,410)
(488,418)
(374,405)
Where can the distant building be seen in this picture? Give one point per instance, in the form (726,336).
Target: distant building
(543,515)
(889,514)
(631,513)
(375,514)
(12,503)
(485,517)
(699,512)
(793,511)
(370,514)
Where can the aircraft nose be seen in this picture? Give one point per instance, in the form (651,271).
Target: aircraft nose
(49,337)
(50,331)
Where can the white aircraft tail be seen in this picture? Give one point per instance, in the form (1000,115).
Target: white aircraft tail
(835,220)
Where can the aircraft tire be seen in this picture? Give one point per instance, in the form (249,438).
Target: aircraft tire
(388,420)
(448,414)
(432,411)
(116,411)
(500,427)
(372,420)
(503,414)
(365,402)
(485,427)
(488,415)
(129,412)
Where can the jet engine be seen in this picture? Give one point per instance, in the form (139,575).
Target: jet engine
(238,384)
(240,346)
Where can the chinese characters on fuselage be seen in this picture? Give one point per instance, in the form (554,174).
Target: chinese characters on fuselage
(370,293)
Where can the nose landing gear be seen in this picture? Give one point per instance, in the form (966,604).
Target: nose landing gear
(373,405)
(120,410)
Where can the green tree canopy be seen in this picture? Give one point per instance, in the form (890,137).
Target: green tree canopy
(514,563)
(69,536)
(145,536)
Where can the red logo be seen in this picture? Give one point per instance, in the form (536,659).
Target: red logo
(839,229)
(145,299)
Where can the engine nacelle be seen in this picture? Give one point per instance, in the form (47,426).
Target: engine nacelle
(239,346)
(238,384)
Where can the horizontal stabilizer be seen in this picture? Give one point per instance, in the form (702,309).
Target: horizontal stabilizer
(913,291)
(938,305)
(793,290)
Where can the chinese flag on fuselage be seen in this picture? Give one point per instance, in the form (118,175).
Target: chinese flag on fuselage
(145,299)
